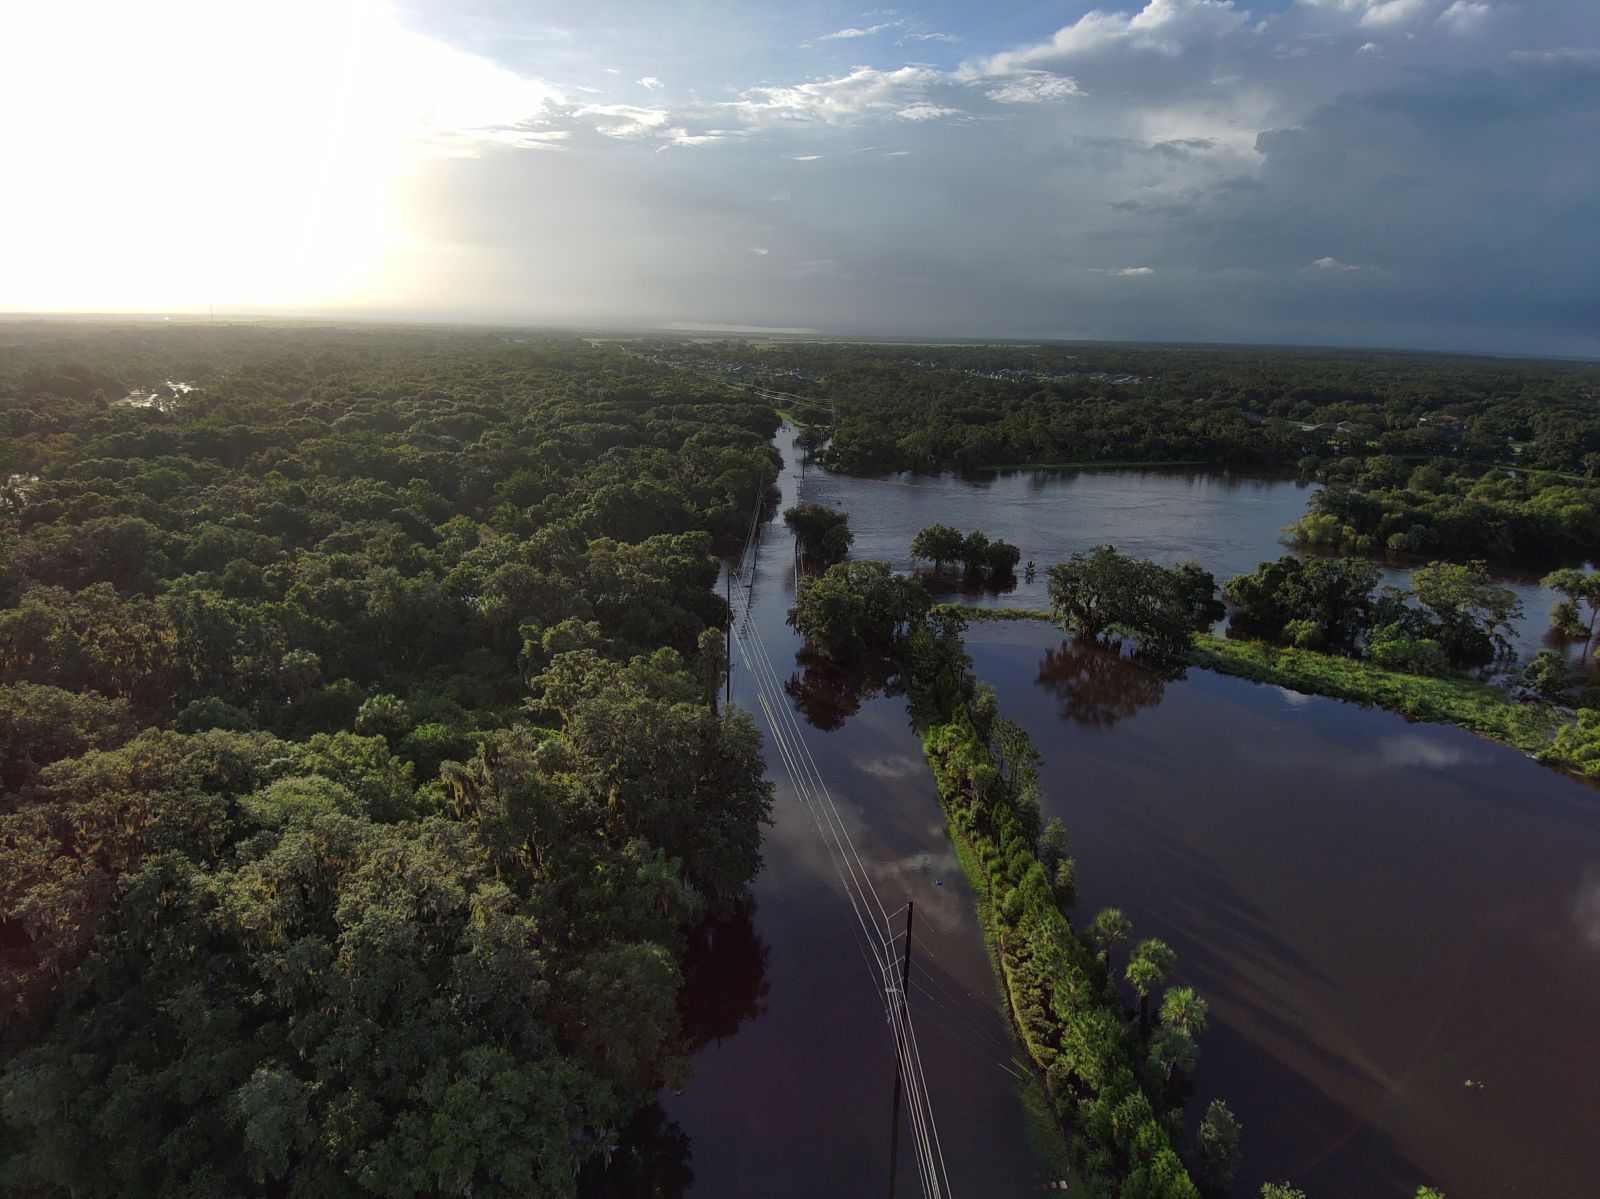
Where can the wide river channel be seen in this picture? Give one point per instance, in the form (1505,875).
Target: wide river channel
(1397,926)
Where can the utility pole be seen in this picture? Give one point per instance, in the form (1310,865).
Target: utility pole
(729,650)
(755,529)
(900,1055)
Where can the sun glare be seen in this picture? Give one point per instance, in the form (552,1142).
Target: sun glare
(180,153)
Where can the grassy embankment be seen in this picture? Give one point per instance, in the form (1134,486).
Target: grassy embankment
(1092,1073)
(1465,703)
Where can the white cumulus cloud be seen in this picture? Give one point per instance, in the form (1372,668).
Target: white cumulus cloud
(1466,16)
(1033,87)
(624,120)
(926,112)
(851,32)
(842,98)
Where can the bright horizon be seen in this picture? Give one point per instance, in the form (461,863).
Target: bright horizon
(1414,173)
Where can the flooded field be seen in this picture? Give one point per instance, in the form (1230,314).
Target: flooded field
(1398,926)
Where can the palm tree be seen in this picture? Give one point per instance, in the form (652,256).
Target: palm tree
(1110,928)
(1183,1010)
(1148,966)
(1174,1051)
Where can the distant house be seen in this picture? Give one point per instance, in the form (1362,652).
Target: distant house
(1445,422)
(1330,427)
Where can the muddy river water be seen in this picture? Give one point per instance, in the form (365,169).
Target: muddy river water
(1397,925)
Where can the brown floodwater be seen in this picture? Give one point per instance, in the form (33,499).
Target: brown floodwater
(794,1096)
(1378,912)
(1397,925)
(1226,521)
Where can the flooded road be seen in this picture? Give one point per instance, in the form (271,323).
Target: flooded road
(797,1099)
(1398,926)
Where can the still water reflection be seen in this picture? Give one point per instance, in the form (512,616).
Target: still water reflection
(1379,912)
(1398,926)
(1228,522)
(792,1087)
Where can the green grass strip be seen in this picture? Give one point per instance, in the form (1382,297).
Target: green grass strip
(1465,703)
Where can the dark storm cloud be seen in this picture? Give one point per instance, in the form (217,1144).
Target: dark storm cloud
(1362,171)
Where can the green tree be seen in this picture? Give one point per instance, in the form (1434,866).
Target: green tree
(384,715)
(857,609)
(1546,678)
(1185,1011)
(1575,616)
(937,544)
(1577,746)
(1397,646)
(1281,1190)
(1218,1145)
(1109,928)
(823,532)
(298,670)
(1058,863)
(1148,966)
(41,724)
(1173,1052)
(713,655)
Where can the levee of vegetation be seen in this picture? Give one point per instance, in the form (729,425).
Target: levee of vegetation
(1115,1082)
(1466,703)
(1109,1082)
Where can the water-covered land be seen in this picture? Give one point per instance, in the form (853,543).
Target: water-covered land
(1397,925)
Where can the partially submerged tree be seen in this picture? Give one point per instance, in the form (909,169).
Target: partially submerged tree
(1105,591)
(823,532)
(1316,603)
(1575,615)
(980,557)
(857,609)
(1148,966)
(1217,1145)
(937,544)
(1471,616)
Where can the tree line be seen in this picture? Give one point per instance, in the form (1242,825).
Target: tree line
(1444,456)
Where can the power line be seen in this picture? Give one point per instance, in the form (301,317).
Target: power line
(809,786)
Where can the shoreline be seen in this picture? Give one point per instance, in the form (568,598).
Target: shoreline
(1467,704)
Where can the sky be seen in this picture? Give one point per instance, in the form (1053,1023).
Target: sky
(1419,173)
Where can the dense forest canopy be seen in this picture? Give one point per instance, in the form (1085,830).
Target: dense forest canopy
(921,406)
(1424,454)
(363,777)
